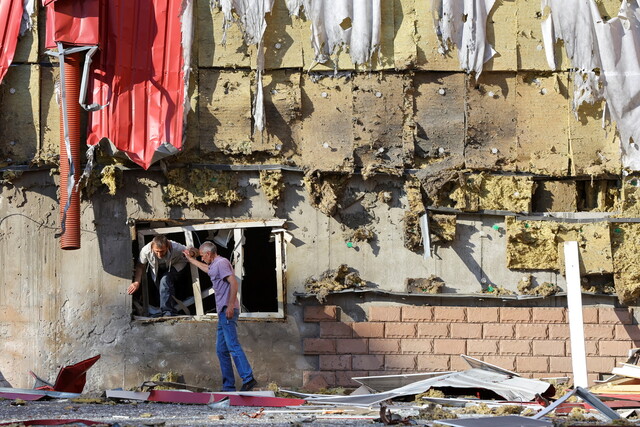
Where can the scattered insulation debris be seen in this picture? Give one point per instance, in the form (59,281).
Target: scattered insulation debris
(361,234)
(545,289)
(497,290)
(333,281)
(111,176)
(442,228)
(200,187)
(325,190)
(272,183)
(430,285)
(435,412)
(412,229)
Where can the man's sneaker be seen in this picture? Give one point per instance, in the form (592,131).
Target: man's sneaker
(248,386)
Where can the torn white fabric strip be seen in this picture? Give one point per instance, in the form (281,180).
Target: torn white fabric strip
(186,21)
(28,11)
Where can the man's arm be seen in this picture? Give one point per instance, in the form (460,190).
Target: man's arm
(233,294)
(201,265)
(135,285)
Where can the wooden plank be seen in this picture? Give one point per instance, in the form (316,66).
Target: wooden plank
(195,277)
(279,274)
(238,267)
(576,324)
(143,280)
(214,226)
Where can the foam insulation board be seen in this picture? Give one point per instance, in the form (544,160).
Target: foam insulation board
(593,150)
(625,244)
(555,196)
(49,146)
(378,122)
(327,128)
(27,47)
(439,120)
(501,34)
(491,140)
(200,187)
(20,114)
(442,228)
(283,41)
(225,111)
(542,125)
(630,196)
(282,104)
(210,32)
(530,46)
(537,245)
(192,128)
(486,192)
(404,42)
(427,43)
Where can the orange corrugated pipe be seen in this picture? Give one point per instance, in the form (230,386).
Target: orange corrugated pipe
(70,238)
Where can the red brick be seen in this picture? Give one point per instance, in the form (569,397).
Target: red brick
(497,330)
(368,362)
(617,316)
(384,346)
(560,364)
(531,331)
(614,348)
(627,332)
(476,347)
(449,314)
(368,329)
(589,315)
(352,346)
(601,364)
(321,313)
(335,363)
(549,315)
(335,329)
(402,362)
(598,332)
(416,346)
(434,330)
(431,363)
(400,329)
(445,346)
(419,314)
(515,314)
(505,362)
(532,364)
(519,347)
(466,330)
(559,332)
(483,314)
(314,380)
(343,378)
(319,346)
(548,348)
(386,313)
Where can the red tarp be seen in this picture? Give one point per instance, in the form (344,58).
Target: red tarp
(140,73)
(10,20)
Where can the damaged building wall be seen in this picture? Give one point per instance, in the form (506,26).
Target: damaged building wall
(357,153)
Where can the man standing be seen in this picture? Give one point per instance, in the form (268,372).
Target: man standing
(225,286)
(165,259)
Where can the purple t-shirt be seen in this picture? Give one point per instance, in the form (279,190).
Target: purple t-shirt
(218,270)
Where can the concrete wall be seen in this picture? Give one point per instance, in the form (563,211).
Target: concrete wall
(415,116)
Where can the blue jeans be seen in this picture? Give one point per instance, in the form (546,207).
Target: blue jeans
(166,283)
(228,346)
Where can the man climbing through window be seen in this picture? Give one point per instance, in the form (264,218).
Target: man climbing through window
(166,261)
(225,286)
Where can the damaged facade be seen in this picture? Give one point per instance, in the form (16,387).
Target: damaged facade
(322,140)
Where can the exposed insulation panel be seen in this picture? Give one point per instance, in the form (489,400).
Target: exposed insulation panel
(542,128)
(538,245)
(492,119)
(210,32)
(530,46)
(439,120)
(404,43)
(555,196)
(593,150)
(283,41)
(378,122)
(200,187)
(429,58)
(501,34)
(27,48)
(625,243)
(225,111)
(19,114)
(486,192)
(630,197)
(327,128)
(385,57)
(282,108)
(50,112)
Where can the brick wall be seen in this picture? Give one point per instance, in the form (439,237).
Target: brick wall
(533,341)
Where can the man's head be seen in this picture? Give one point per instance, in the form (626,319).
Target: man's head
(160,246)
(208,252)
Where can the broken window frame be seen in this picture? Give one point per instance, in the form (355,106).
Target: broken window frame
(238,233)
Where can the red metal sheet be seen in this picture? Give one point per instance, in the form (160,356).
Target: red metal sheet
(73,22)
(52,422)
(180,396)
(71,379)
(140,73)
(10,19)
(23,396)
(240,400)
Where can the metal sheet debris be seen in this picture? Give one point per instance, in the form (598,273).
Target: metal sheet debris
(507,421)
(587,397)
(27,392)
(72,378)
(390,382)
